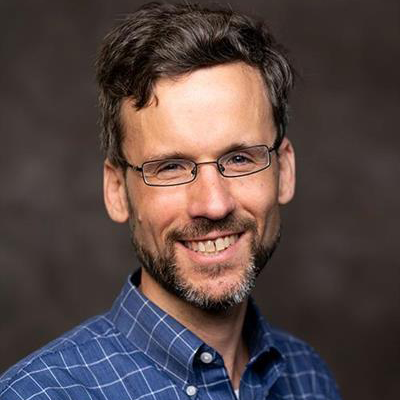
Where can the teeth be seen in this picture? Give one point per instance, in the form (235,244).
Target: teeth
(212,246)
(220,244)
(227,242)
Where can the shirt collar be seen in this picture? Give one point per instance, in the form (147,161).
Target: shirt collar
(258,333)
(159,336)
(172,346)
(266,355)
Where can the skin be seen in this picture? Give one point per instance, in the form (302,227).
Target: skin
(200,115)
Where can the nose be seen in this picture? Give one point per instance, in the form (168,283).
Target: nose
(209,194)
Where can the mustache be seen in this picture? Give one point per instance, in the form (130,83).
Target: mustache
(203,226)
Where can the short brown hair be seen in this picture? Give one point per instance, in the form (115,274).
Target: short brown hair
(166,40)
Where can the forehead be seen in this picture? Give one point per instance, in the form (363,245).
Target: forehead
(200,113)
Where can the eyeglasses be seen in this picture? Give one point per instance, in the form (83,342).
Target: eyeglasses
(179,171)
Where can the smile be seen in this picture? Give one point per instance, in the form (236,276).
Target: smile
(212,247)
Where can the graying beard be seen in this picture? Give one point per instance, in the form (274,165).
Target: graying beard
(235,296)
(163,270)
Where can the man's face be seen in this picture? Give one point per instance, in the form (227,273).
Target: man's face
(205,241)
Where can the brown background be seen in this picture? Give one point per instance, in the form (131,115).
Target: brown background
(335,279)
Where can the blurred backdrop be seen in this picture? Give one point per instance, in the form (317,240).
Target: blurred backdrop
(334,280)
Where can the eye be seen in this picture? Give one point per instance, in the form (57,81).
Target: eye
(239,159)
(240,162)
(169,167)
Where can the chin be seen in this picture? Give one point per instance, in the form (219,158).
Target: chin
(206,283)
(217,288)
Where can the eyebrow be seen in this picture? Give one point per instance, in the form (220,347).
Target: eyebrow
(238,146)
(181,155)
(166,156)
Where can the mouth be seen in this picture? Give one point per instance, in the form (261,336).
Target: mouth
(211,247)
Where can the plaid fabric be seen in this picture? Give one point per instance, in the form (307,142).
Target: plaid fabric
(137,351)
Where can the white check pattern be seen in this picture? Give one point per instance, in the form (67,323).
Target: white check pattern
(138,352)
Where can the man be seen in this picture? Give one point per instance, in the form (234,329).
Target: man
(194,110)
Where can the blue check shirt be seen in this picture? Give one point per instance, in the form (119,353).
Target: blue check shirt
(137,351)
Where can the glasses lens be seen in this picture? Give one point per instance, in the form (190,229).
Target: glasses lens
(168,172)
(245,161)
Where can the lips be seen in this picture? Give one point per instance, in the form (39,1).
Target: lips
(212,247)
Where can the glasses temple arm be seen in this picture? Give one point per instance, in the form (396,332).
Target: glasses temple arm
(279,138)
(134,167)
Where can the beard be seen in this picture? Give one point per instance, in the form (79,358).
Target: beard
(165,270)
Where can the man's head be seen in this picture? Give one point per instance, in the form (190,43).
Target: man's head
(182,82)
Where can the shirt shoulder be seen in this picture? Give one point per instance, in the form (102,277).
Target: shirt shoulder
(304,367)
(73,348)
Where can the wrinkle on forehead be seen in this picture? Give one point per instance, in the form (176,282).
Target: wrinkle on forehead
(198,99)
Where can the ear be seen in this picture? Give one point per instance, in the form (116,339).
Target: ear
(114,192)
(287,172)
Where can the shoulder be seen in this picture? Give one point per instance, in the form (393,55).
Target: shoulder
(86,343)
(304,367)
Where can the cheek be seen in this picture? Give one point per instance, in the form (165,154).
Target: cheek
(157,210)
(259,199)
(257,195)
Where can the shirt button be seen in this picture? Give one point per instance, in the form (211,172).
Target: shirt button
(191,390)
(206,357)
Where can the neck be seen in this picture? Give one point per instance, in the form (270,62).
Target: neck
(220,330)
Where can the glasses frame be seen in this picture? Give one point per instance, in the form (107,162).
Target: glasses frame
(139,168)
